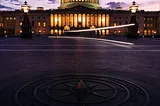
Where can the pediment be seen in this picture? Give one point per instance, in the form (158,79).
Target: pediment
(80,7)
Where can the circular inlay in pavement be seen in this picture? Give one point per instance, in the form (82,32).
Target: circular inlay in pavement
(74,90)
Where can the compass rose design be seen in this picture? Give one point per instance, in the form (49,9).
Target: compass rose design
(79,90)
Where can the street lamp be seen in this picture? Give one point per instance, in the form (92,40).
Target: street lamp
(133,30)
(25,7)
(26,25)
(134,8)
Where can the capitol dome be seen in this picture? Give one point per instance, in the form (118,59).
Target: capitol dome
(93,4)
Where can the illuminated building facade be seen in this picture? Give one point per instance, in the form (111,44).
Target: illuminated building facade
(79,14)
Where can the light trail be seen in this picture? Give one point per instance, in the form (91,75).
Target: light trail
(100,39)
(95,29)
(101,45)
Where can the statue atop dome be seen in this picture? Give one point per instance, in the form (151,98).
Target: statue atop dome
(93,4)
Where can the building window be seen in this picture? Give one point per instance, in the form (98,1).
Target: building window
(44,17)
(39,31)
(145,32)
(60,32)
(44,24)
(39,17)
(52,31)
(149,32)
(56,31)
(103,32)
(120,17)
(153,32)
(114,24)
(107,32)
(7,18)
(20,17)
(20,24)
(39,23)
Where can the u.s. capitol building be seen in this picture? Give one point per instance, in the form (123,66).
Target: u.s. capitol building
(79,14)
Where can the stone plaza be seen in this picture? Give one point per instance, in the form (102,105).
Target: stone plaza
(79,71)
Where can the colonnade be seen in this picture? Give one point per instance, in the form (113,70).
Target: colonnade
(84,20)
(78,21)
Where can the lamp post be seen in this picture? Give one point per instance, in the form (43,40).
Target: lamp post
(133,30)
(26,25)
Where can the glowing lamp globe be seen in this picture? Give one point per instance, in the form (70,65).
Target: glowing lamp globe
(25,7)
(134,7)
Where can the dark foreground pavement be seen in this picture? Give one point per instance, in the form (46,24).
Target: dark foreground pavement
(46,72)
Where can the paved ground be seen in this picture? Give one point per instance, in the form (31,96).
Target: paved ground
(128,70)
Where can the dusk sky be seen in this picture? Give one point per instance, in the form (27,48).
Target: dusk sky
(147,5)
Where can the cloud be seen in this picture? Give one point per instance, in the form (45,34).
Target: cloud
(52,1)
(2,7)
(16,4)
(14,0)
(147,5)
(109,4)
(12,4)
(114,5)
